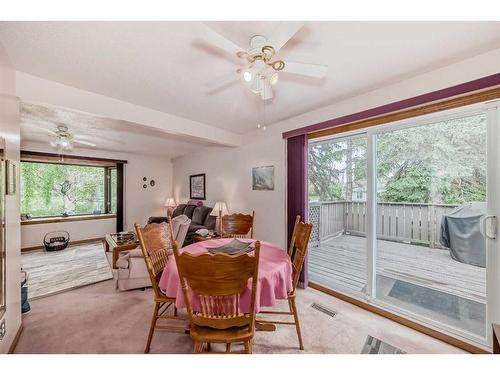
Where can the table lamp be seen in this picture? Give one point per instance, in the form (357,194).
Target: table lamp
(220,209)
(170,204)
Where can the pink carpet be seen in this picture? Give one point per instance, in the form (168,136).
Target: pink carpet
(99,319)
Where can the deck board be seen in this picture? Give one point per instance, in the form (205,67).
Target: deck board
(342,261)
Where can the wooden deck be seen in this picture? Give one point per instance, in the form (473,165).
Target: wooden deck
(341,261)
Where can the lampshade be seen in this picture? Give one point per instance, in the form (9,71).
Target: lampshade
(219,206)
(170,202)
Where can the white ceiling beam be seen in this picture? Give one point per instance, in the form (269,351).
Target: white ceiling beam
(37,90)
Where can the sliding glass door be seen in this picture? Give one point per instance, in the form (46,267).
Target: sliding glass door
(337,208)
(431,195)
(403,218)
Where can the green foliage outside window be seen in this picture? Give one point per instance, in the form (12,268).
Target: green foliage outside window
(113,190)
(443,162)
(58,189)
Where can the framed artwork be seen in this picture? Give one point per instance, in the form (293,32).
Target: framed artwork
(263,178)
(11,177)
(197,186)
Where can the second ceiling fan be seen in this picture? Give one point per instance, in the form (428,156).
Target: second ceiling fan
(261,64)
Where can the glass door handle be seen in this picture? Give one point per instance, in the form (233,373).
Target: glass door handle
(483,226)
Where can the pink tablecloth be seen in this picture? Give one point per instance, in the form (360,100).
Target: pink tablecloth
(275,275)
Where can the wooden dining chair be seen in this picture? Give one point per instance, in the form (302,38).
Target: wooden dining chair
(218,280)
(153,239)
(237,225)
(297,251)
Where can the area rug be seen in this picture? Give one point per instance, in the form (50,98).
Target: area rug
(75,266)
(376,346)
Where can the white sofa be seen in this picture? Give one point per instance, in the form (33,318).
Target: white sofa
(132,272)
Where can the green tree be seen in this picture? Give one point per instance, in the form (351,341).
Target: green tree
(443,162)
(54,189)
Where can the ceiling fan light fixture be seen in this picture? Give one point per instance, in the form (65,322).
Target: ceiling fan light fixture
(278,65)
(256,84)
(268,52)
(242,54)
(274,78)
(247,76)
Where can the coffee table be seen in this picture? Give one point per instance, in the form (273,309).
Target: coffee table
(111,245)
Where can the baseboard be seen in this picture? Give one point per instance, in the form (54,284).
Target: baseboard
(403,321)
(78,242)
(16,339)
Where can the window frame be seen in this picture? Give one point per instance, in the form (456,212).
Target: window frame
(107,188)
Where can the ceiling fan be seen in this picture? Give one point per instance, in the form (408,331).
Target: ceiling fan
(64,140)
(261,65)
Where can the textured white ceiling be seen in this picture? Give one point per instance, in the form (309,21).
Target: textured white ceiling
(107,134)
(166,65)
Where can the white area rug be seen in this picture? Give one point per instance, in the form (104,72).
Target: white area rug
(75,266)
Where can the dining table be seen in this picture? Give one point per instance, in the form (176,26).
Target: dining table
(274,283)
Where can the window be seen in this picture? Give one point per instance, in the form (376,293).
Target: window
(113,190)
(49,189)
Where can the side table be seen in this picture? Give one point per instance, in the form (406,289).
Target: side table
(111,245)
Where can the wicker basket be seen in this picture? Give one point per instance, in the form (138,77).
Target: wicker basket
(58,240)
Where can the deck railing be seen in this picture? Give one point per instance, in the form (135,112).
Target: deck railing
(407,222)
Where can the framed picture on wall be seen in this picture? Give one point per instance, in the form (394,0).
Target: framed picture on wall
(197,186)
(263,178)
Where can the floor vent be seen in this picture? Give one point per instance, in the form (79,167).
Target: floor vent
(323,309)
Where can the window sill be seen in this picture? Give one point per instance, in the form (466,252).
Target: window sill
(62,219)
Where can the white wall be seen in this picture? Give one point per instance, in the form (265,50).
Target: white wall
(10,131)
(139,203)
(32,235)
(229,170)
(229,178)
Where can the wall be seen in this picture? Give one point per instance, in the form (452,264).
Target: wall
(139,203)
(10,131)
(229,178)
(32,235)
(229,170)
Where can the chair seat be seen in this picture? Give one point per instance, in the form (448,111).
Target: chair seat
(234,334)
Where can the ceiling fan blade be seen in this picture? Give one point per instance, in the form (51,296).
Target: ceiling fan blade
(84,143)
(48,131)
(83,137)
(223,80)
(214,38)
(32,127)
(283,33)
(310,70)
(267,91)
